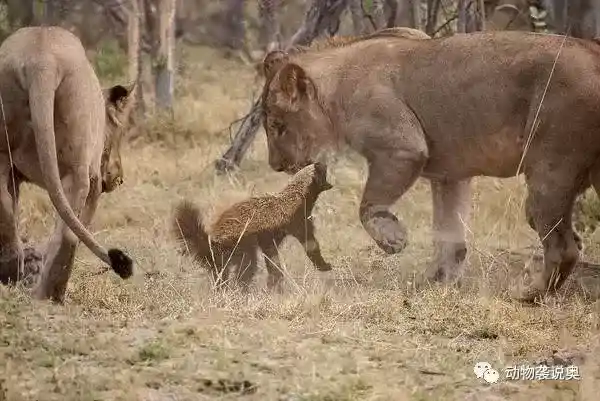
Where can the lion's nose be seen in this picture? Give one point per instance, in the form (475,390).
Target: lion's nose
(119,180)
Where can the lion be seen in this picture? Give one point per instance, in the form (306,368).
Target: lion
(232,241)
(61,132)
(448,109)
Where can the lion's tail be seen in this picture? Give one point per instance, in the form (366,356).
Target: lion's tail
(44,81)
(189,230)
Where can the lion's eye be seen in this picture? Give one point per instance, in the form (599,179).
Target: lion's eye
(279,129)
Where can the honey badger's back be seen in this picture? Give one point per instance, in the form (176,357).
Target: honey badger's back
(239,231)
(271,213)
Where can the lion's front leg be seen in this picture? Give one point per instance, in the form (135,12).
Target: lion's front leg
(451,211)
(391,174)
(60,251)
(11,252)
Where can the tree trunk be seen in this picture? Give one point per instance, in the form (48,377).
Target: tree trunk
(234,12)
(378,19)
(461,25)
(133,39)
(20,12)
(405,13)
(392,12)
(416,13)
(433,9)
(164,62)
(358,20)
(40,12)
(134,52)
(368,16)
(323,16)
(269,27)
(481,15)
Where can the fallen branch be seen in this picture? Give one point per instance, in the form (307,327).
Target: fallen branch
(322,17)
(242,140)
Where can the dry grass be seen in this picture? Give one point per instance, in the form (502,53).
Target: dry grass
(372,329)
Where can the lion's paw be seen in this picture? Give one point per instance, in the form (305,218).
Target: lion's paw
(387,232)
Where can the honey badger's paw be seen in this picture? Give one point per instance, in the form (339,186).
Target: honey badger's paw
(324,267)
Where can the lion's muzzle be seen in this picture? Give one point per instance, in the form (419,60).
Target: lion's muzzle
(110,185)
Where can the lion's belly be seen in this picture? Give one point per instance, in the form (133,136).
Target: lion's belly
(496,155)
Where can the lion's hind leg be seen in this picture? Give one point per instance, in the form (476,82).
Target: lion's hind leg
(60,251)
(11,250)
(550,209)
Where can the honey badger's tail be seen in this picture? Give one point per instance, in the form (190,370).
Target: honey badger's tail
(189,230)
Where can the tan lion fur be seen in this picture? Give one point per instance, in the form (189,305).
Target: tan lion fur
(341,41)
(232,241)
(61,132)
(448,109)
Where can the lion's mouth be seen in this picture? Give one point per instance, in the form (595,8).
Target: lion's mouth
(109,186)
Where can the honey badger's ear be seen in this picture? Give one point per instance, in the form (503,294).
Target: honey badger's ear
(273,62)
(294,85)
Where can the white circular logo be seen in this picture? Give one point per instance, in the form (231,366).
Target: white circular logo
(491,376)
(480,368)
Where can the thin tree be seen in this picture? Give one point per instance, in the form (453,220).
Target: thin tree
(134,53)
(269,25)
(164,62)
(236,32)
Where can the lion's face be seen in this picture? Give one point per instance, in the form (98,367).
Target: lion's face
(118,100)
(294,120)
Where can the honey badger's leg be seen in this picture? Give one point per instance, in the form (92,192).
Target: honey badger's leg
(550,209)
(306,235)
(269,246)
(394,166)
(246,262)
(219,264)
(11,251)
(451,209)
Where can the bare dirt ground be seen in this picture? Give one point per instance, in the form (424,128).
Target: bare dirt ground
(372,329)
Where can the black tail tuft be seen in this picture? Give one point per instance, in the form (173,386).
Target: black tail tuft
(120,263)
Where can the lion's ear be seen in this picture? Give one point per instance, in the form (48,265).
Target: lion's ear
(295,84)
(119,95)
(272,62)
(119,100)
